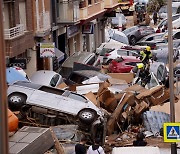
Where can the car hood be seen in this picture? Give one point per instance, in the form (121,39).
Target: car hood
(13,75)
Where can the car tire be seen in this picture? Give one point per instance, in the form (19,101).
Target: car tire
(132,40)
(109,61)
(87,116)
(16,101)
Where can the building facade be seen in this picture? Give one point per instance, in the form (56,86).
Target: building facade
(73,25)
(18,32)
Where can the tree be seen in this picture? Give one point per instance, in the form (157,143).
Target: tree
(155,5)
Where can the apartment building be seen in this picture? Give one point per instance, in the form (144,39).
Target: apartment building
(73,25)
(84,21)
(79,24)
(18,32)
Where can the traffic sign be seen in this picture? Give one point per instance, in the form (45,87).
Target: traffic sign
(171,132)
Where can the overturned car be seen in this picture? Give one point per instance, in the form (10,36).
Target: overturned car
(51,106)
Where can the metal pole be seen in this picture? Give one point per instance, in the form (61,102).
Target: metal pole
(3,95)
(171,75)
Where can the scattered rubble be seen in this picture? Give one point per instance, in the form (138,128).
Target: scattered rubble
(126,112)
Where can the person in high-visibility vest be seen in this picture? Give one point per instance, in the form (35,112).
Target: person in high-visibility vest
(143,74)
(146,55)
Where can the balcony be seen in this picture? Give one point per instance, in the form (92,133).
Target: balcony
(92,10)
(14,32)
(68,12)
(44,24)
(17,40)
(110,3)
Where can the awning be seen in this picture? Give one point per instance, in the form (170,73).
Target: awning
(59,54)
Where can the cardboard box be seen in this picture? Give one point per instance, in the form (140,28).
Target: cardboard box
(128,77)
(139,108)
(92,98)
(62,86)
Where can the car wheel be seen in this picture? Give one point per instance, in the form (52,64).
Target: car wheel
(16,101)
(109,61)
(87,116)
(132,40)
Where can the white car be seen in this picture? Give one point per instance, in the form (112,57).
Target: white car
(66,104)
(115,36)
(106,55)
(47,77)
(175,22)
(163,10)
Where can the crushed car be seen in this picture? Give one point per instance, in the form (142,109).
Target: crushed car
(51,106)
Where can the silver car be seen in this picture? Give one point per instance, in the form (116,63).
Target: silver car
(78,57)
(71,106)
(46,77)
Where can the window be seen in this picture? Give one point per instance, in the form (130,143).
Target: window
(120,59)
(122,52)
(54,80)
(120,38)
(89,2)
(150,39)
(77,78)
(160,72)
(105,50)
(91,61)
(177,36)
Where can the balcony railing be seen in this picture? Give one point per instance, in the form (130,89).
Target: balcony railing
(87,11)
(44,22)
(14,32)
(68,11)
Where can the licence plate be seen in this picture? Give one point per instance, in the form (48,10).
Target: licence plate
(124,7)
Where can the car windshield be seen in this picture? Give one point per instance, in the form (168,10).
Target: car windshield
(77,78)
(153,82)
(105,50)
(174,10)
(130,30)
(120,38)
(119,59)
(126,53)
(163,9)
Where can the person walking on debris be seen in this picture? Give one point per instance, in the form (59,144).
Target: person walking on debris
(80,148)
(155,17)
(96,148)
(143,74)
(140,140)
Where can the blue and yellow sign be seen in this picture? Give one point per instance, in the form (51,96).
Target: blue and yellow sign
(171,132)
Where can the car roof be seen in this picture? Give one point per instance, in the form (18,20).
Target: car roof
(12,75)
(88,73)
(129,58)
(42,77)
(151,35)
(80,57)
(27,84)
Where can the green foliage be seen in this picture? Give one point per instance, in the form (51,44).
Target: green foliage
(155,5)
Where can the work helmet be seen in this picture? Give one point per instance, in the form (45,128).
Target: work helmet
(140,65)
(148,48)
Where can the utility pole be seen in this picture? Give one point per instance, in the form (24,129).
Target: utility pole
(3,91)
(171,74)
